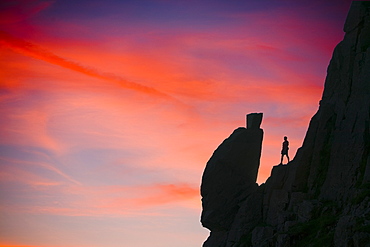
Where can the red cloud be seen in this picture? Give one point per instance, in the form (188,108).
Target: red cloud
(168,193)
(32,50)
(127,199)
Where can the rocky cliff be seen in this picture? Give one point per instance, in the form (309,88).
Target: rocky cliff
(239,154)
(322,197)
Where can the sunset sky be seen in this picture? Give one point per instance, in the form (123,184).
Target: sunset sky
(111,109)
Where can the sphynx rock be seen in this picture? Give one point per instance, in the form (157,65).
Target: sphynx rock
(230,175)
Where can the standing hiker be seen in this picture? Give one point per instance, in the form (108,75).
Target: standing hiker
(284,150)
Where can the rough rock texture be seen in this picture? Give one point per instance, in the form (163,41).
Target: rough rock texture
(322,197)
(233,165)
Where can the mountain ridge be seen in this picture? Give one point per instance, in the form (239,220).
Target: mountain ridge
(322,197)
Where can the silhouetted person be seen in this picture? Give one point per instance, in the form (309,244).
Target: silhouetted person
(284,150)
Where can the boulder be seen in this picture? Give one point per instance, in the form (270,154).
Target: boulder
(230,176)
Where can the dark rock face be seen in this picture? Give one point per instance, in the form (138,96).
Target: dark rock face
(322,197)
(230,176)
(254,120)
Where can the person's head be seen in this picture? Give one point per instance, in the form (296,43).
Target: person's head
(285,138)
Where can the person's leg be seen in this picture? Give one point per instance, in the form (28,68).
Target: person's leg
(288,157)
(281,160)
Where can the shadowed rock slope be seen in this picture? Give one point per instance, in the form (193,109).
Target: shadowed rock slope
(322,197)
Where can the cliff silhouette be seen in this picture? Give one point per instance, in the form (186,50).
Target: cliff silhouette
(322,197)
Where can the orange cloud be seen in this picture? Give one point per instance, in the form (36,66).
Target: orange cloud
(32,50)
(168,193)
(129,199)
(90,200)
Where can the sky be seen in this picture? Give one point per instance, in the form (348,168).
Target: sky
(111,109)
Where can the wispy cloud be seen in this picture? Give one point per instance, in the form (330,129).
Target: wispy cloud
(82,200)
(32,50)
(13,170)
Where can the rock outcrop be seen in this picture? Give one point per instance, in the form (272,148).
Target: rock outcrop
(322,197)
(233,165)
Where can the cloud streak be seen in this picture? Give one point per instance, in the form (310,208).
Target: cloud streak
(14,168)
(32,50)
(90,200)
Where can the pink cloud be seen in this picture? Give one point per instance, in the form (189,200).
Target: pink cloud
(16,126)
(13,171)
(81,200)
(167,193)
